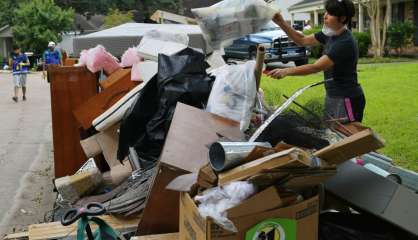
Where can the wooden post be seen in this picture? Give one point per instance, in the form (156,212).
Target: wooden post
(261,52)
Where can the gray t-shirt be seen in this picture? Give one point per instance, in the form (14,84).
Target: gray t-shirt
(343,51)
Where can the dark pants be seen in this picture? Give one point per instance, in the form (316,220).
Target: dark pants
(345,109)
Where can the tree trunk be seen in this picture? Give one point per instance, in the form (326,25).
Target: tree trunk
(378,24)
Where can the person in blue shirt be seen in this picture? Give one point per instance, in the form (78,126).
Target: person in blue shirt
(20,68)
(51,56)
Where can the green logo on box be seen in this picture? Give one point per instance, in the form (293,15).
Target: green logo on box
(273,229)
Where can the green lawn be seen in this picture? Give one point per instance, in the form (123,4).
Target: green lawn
(391,110)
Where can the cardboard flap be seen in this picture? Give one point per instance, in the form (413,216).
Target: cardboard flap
(192,225)
(260,202)
(183,183)
(292,158)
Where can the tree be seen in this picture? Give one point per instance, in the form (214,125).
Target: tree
(116,18)
(6,11)
(378,23)
(400,34)
(147,7)
(37,22)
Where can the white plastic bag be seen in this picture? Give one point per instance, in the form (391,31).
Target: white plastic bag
(231,19)
(216,201)
(158,42)
(233,93)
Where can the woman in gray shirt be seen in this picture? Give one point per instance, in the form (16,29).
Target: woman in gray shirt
(345,100)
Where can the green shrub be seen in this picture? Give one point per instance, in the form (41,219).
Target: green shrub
(363,41)
(316,51)
(399,34)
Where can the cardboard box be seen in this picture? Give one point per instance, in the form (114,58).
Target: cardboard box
(302,216)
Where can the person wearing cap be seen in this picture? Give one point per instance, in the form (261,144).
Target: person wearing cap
(344,99)
(51,56)
(20,69)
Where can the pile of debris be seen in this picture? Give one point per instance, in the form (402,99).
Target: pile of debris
(178,143)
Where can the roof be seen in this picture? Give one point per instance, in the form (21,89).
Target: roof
(6,32)
(118,39)
(305,3)
(94,23)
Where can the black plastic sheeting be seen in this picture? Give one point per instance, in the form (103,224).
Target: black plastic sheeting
(348,226)
(181,78)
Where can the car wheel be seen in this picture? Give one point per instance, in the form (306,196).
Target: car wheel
(301,62)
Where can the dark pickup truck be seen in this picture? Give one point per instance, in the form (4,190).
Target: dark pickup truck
(279,48)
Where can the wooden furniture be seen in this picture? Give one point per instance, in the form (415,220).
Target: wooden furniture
(70,87)
(97,105)
(116,76)
(69,62)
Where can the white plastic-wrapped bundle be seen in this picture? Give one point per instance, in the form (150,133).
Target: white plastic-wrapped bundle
(231,19)
(158,42)
(233,93)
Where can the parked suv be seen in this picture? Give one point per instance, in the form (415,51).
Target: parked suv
(279,48)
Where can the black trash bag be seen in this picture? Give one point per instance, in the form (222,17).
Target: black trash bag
(285,128)
(181,78)
(348,226)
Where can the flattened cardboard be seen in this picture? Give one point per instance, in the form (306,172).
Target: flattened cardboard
(193,226)
(375,194)
(191,131)
(91,147)
(355,145)
(291,158)
(108,142)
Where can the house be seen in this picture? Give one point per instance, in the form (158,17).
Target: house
(292,18)
(166,17)
(82,25)
(6,43)
(402,10)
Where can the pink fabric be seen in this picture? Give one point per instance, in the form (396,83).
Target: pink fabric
(135,76)
(349,109)
(83,58)
(99,58)
(130,57)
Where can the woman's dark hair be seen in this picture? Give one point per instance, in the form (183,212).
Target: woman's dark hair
(341,8)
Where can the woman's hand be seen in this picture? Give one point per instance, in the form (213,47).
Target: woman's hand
(278,18)
(277,73)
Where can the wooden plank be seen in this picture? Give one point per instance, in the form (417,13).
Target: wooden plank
(17,235)
(291,158)
(355,145)
(170,236)
(97,105)
(120,74)
(70,88)
(56,230)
